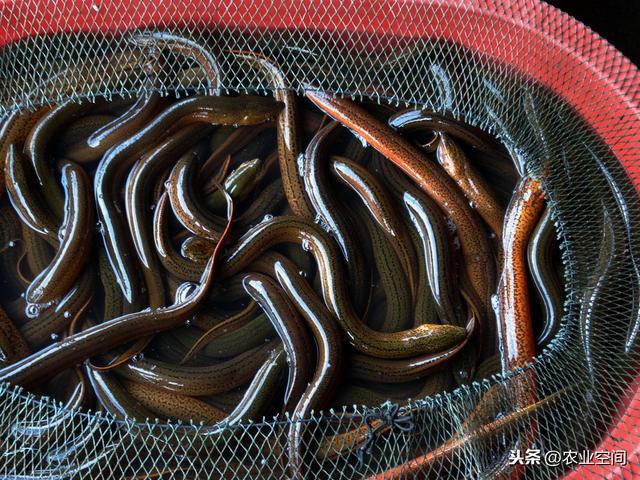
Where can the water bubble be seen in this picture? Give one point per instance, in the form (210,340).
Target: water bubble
(66,314)
(152,206)
(11,244)
(306,245)
(137,357)
(300,164)
(54,336)
(303,274)
(267,218)
(322,223)
(32,310)
(188,322)
(263,461)
(495,303)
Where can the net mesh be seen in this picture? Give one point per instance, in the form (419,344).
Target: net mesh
(581,388)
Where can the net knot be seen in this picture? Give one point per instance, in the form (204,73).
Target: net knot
(387,417)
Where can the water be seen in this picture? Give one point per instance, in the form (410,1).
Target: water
(174,272)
